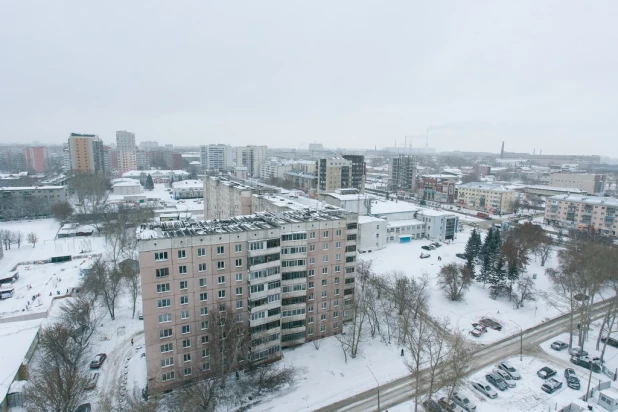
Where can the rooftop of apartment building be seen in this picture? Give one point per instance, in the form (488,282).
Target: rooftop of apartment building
(294,201)
(391,206)
(83,135)
(496,187)
(19,188)
(596,200)
(230,183)
(138,173)
(258,221)
(188,184)
(555,188)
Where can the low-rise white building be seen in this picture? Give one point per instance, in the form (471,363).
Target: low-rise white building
(371,233)
(439,224)
(402,231)
(125,187)
(188,189)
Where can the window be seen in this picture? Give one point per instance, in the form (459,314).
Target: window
(324,282)
(222,307)
(336,325)
(336,292)
(165,333)
(204,325)
(187,371)
(221,294)
(323,317)
(256,246)
(336,314)
(164,303)
(183,284)
(169,376)
(220,265)
(310,331)
(324,305)
(336,302)
(184,300)
(310,297)
(201,267)
(311,248)
(203,311)
(323,294)
(206,366)
(184,314)
(323,328)
(163,272)
(325,246)
(160,256)
(311,272)
(238,248)
(220,250)
(312,235)
(325,271)
(182,269)
(311,285)
(311,260)
(338,245)
(325,234)
(239,317)
(205,353)
(338,232)
(221,280)
(201,251)
(337,269)
(164,287)
(238,277)
(325,258)
(186,357)
(239,291)
(238,263)
(168,347)
(336,280)
(204,339)
(203,282)
(186,329)
(204,298)
(292,236)
(310,319)
(166,317)
(186,343)
(182,254)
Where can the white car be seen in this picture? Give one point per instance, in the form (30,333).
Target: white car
(485,389)
(508,368)
(510,382)
(463,401)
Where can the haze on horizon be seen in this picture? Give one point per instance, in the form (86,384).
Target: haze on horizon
(538,75)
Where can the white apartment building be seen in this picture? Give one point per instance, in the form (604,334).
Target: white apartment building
(224,199)
(251,157)
(274,169)
(582,212)
(289,278)
(125,145)
(216,157)
(489,197)
(188,189)
(334,174)
(588,182)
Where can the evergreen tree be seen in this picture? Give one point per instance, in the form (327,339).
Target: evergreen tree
(477,243)
(471,252)
(497,278)
(512,276)
(485,251)
(486,270)
(149,185)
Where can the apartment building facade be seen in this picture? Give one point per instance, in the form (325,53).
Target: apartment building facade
(592,183)
(51,194)
(488,197)
(402,174)
(251,157)
(126,151)
(288,277)
(357,171)
(224,199)
(334,174)
(36,158)
(86,153)
(274,169)
(216,157)
(582,212)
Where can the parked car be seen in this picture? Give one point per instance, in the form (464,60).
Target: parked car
(610,341)
(461,256)
(84,407)
(436,244)
(490,323)
(571,378)
(497,381)
(425,247)
(559,345)
(577,351)
(508,368)
(478,331)
(510,382)
(546,372)
(92,380)
(551,385)
(586,362)
(98,361)
(485,389)
(581,296)
(463,401)
(449,406)
(432,406)
(425,255)
(140,315)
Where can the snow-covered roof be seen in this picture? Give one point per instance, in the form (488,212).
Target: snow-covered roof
(357,196)
(369,219)
(485,186)
(154,173)
(125,183)
(195,163)
(432,212)
(196,184)
(556,189)
(596,200)
(390,206)
(399,223)
(19,188)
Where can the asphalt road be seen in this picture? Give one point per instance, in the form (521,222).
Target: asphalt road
(402,390)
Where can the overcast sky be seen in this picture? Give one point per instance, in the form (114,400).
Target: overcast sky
(537,74)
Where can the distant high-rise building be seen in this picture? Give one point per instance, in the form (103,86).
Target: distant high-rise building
(148,145)
(251,157)
(358,171)
(402,173)
(125,145)
(216,157)
(36,158)
(86,153)
(334,174)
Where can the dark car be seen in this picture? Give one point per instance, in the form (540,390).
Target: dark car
(425,255)
(571,378)
(98,361)
(432,406)
(497,381)
(426,247)
(478,331)
(84,407)
(436,244)
(551,385)
(581,296)
(490,323)
(559,345)
(546,372)
(610,341)
(586,362)
(461,256)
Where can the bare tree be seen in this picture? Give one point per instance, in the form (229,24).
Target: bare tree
(417,341)
(437,350)
(82,314)
(271,376)
(32,238)
(105,284)
(457,364)
(131,277)
(351,337)
(454,280)
(17,238)
(62,211)
(543,249)
(526,290)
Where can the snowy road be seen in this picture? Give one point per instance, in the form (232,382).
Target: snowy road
(402,390)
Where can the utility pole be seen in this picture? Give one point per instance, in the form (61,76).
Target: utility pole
(374,377)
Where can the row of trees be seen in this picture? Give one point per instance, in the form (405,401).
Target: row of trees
(8,238)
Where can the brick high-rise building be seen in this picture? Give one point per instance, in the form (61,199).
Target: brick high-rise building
(125,145)
(288,277)
(36,158)
(86,153)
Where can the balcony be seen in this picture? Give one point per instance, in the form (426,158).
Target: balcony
(293,318)
(261,252)
(267,319)
(294,342)
(261,333)
(266,265)
(264,293)
(266,306)
(294,294)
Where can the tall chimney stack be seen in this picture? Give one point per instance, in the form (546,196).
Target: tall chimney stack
(502,151)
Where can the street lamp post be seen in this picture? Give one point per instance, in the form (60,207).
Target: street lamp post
(521,341)
(374,377)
